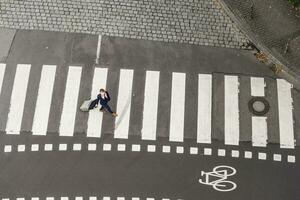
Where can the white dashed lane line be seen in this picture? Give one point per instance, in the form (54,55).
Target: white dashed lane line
(90,198)
(150,148)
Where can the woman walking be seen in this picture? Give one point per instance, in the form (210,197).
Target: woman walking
(103,98)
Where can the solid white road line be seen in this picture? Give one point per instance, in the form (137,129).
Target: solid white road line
(44,99)
(18,97)
(124,104)
(257,87)
(2,72)
(259,124)
(204,108)
(177,107)
(95,116)
(150,105)
(68,115)
(98,48)
(231,110)
(285,112)
(259,131)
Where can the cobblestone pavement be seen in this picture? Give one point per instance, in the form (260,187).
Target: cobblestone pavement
(274,24)
(200,22)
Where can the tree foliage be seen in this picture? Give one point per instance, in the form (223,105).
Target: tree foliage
(295,2)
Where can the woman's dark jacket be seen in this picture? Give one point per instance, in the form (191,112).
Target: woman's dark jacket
(100,100)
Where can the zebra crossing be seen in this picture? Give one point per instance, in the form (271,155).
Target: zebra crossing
(151,99)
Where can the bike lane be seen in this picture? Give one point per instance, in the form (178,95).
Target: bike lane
(143,174)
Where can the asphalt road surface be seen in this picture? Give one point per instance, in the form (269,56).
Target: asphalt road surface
(81,155)
(149,172)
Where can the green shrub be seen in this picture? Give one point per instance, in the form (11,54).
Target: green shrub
(295,2)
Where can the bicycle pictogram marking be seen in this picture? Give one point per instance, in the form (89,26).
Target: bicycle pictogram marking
(218,178)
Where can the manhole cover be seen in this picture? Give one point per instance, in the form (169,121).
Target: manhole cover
(258,106)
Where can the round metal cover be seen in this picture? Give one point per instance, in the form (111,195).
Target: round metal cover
(258,106)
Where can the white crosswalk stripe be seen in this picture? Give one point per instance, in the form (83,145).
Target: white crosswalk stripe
(67,121)
(204,108)
(285,109)
(259,131)
(150,105)
(17,101)
(259,124)
(257,87)
(177,107)
(231,110)
(2,72)
(95,116)
(124,103)
(44,98)
(148,128)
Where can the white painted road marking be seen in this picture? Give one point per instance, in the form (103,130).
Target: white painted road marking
(95,116)
(180,150)
(194,150)
(231,110)
(136,147)
(248,154)
(177,107)
(151,96)
(221,152)
(257,87)
(21,148)
(124,104)
(285,110)
(259,131)
(262,156)
(219,180)
(2,72)
(150,148)
(204,108)
(106,147)
(7,148)
(76,147)
(166,149)
(17,101)
(291,159)
(259,124)
(150,105)
(68,115)
(62,147)
(277,157)
(207,151)
(48,147)
(92,147)
(235,153)
(98,48)
(89,198)
(35,147)
(44,99)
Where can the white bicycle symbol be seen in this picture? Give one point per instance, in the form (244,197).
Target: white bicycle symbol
(218,178)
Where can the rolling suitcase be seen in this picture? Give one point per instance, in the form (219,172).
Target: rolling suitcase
(85,105)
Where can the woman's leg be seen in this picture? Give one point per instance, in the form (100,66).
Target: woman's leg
(102,109)
(106,106)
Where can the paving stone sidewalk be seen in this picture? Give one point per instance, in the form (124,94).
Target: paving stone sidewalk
(273,24)
(200,22)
